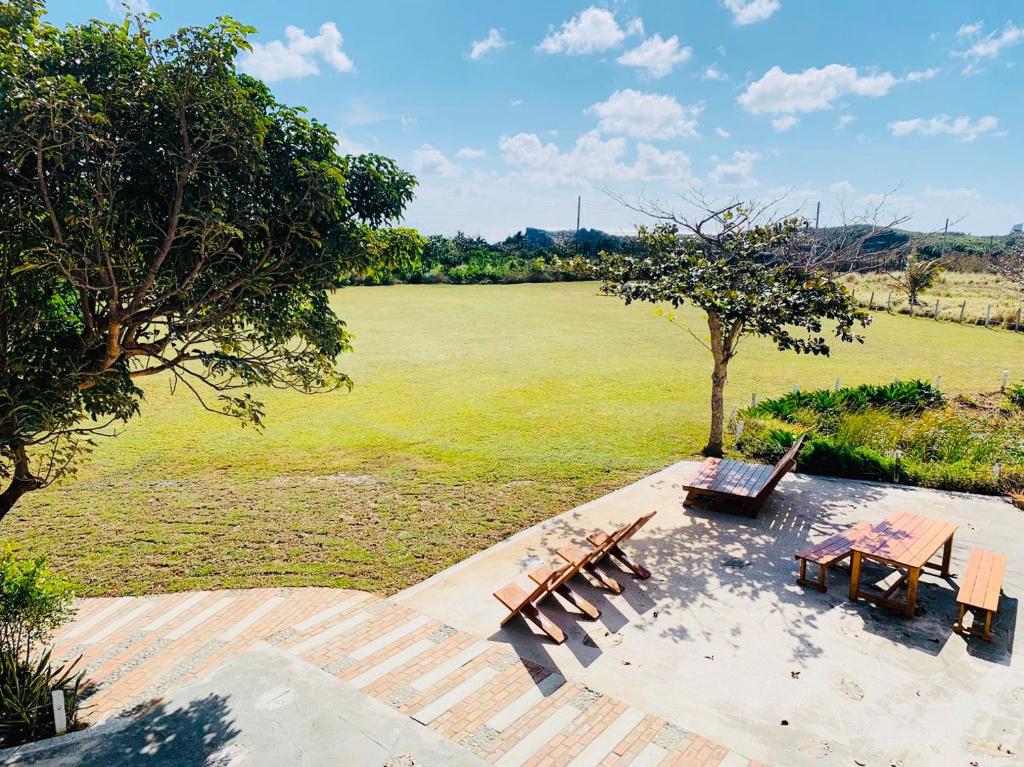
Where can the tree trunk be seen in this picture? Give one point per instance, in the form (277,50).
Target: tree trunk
(716,440)
(21,482)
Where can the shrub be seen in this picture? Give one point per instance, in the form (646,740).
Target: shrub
(902,397)
(823,456)
(33,604)
(764,442)
(1015,394)
(26,707)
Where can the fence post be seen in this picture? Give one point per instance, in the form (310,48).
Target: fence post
(1003,380)
(838,386)
(753,399)
(60,715)
(937,304)
(888,303)
(871,301)
(796,388)
(963,307)
(988,314)
(938,383)
(1016,326)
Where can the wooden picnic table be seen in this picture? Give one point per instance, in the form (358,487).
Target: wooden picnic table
(906,542)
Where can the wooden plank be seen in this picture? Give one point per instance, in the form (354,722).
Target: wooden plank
(970,577)
(976,597)
(930,544)
(995,583)
(882,543)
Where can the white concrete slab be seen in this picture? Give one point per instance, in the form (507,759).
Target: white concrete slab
(454,696)
(108,629)
(198,620)
(448,667)
(378,644)
(329,612)
(602,745)
(388,665)
(521,705)
(103,614)
(652,755)
(262,610)
(328,634)
(186,604)
(539,736)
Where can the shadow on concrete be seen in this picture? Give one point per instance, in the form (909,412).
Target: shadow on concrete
(1004,624)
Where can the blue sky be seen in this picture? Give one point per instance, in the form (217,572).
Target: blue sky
(507,111)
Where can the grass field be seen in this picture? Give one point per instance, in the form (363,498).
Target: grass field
(477,411)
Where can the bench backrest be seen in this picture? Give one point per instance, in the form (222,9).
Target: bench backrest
(786,463)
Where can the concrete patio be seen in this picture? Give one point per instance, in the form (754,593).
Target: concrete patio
(723,639)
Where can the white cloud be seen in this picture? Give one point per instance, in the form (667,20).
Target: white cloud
(970,30)
(924,74)
(345,145)
(781,92)
(841,188)
(516,103)
(962,127)
(592,158)
(298,57)
(594,30)
(722,133)
(785,122)
(128,6)
(751,11)
(844,120)
(645,115)
(712,72)
(992,44)
(490,44)
(470,153)
(431,161)
(954,194)
(656,56)
(737,172)
(408,122)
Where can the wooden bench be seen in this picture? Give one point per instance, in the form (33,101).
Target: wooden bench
(737,486)
(980,589)
(829,552)
(601,539)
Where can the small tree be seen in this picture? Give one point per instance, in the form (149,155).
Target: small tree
(162,214)
(750,277)
(918,275)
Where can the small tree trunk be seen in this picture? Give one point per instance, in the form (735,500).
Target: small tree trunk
(719,374)
(22,482)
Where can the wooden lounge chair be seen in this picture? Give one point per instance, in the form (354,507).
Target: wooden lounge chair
(600,539)
(580,559)
(520,602)
(829,552)
(979,590)
(737,486)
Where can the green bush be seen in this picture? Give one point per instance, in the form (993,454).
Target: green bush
(902,397)
(823,456)
(33,604)
(26,704)
(1015,394)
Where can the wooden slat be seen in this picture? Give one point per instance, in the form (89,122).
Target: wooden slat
(983,580)
(836,546)
(930,543)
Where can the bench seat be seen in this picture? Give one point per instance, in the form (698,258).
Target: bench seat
(980,589)
(829,552)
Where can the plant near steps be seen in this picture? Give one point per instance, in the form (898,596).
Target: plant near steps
(34,602)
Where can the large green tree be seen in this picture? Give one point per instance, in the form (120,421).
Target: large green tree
(163,214)
(751,275)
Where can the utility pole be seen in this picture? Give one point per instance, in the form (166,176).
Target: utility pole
(945,234)
(579,201)
(817,215)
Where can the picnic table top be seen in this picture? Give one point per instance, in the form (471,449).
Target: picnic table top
(905,539)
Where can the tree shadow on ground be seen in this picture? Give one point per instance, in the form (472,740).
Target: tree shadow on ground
(196,735)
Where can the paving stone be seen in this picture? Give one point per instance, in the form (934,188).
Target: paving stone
(670,736)
(585,698)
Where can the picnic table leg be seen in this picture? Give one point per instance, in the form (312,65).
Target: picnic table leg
(947,553)
(958,627)
(854,575)
(912,577)
(986,632)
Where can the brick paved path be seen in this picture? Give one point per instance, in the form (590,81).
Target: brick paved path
(480,694)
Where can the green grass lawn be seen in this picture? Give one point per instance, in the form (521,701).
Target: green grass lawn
(478,410)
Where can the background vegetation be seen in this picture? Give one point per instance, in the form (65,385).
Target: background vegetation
(476,412)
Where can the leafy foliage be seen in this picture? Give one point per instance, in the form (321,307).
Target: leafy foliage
(164,214)
(34,602)
(903,432)
(903,397)
(917,276)
(1015,395)
(26,709)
